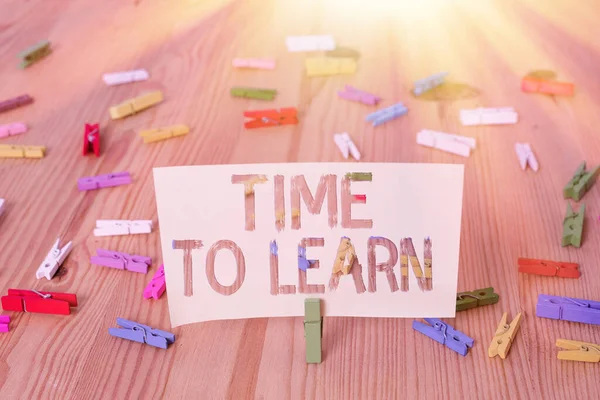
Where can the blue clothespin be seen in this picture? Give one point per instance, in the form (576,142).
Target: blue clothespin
(387,114)
(303,263)
(445,334)
(423,85)
(142,334)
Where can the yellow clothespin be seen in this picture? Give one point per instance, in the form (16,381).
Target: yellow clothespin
(249,184)
(155,135)
(323,66)
(10,151)
(131,106)
(504,336)
(578,351)
(345,257)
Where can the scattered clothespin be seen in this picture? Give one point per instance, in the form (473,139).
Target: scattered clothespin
(345,257)
(548,268)
(346,145)
(250,93)
(504,336)
(4,320)
(526,156)
(303,263)
(137,104)
(258,63)
(580,183)
(359,176)
(576,351)
(488,116)
(443,333)
(573,227)
(353,94)
(313,330)
(115,227)
(323,66)
(156,135)
(266,118)
(34,53)
(568,309)
(16,128)
(387,114)
(544,86)
(104,181)
(91,139)
(124,261)
(344,52)
(119,78)
(455,144)
(1,206)
(15,102)
(53,260)
(476,298)
(310,43)
(14,151)
(426,84)
(157,285)
(136,332)
(39,302)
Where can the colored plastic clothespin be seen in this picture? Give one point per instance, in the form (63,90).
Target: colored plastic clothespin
(580,183)
(476,298)
(91,139)
(443,333)
(568,309)
(548,268)
(573,227)
(323,66)
(266,118)
(250,93)
(53,260)
(137,104)
(14,151)
(504,336)
(488,116)
(34,53)
(310,43)
(104,181)
(119,78)
(359,176)
(344,52)
(4,320)
(136,332)
(387,114)
(15,102)
(346,145)
(577,351)
(16,128)
(258,63)
(426,84)
(110,227)
(157,285)
(455,144)
(39,302)
(526,156)
(353,94)
(124,261)
(313,330)
(1,206)
(544,86)
(156,135)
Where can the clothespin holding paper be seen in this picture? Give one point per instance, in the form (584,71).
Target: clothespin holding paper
(313,330)
(573,227)
(157,285)
(581,182)
(578,351)
(136,332)
(476,298)
(53,260)
(504,336)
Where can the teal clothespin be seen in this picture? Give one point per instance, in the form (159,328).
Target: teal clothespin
(580,183)
(313,330)
(34,53)
(250,93)
(360,176)
(573,227)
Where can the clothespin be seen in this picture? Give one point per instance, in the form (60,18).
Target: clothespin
(568,309)
(313,330)
(577,351)
(104,181)
(265,118)
(142,334)
(155,135)
(250,93)
(258,63)
(310,43)
(39,302)
(1,206)
(91,139)
(544,86)
(443,333)
(346,145)
(250,182)
(110,227)
(124,261)
(344,52)
(548,268)
(580,183)
(353,94)
(119,78)
(359,176)
(387,114)
(137,104)
(573,227)
(13,151)
(157,285)
(34,53)
(4,320)
(53,260)
(323,66)
(455,144)
(303,263)
(16,128)
(526,156)
(476,298)
(488,116)
(15,102)
(426,84)
(504,336)
(345,257)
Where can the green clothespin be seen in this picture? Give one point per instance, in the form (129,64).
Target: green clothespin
(34,53)
(573,227)
(250,93)
(313,330)
(359,176)
(476,298)
(580,183)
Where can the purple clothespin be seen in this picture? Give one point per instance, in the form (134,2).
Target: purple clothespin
(303,263)
(273,247)
(354,94)
(104,181)
(114,259)
(142,334)
(157,285)
(445,334)
(568,309)
(4,320)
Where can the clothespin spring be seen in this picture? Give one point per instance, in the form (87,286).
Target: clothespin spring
(44,296)
(269,120)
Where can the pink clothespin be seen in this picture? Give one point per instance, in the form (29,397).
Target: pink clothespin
(4,320)
(114,259)
(354,94)
(259,63)
(157,285)
(15,128)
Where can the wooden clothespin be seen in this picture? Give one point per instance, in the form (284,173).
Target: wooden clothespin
(578,351)
(266,118)
(353,94)
(137,104)
(91,139)
(313,330)
(136,332)
(548,268)
(531,84)
(53,260)
(345,257)
(15,102)
(15,128)
(476,298)
(310,43)
(568,309)
(4,321)
(445,334)
(124,261)
(526,156)
(104,181)
(119,78)
(251,93)
(155,135)
(157,285)
(573,227)
(504,336)
(11,151)
(118,227)
(426,84)
(323,66)
(346,146)
(449,142)
(34,53)
(39,302)
(387,114)
(581,182)
(344,52)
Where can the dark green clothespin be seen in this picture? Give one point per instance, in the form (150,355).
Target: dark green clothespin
(313,330)
(359,176)
(476,298)
(34,53)
(580,183)
(250,93)
(573,227)
(344,52)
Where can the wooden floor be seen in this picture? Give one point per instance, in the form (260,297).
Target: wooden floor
(187,46)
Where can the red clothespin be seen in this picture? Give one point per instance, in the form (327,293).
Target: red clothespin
(265,118)
(91,139)
(548,268)
(39,302)
(361,198)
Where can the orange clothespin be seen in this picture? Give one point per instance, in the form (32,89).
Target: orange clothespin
(578,351)
(266,118)
(549,268)
(504,336)
(544,86)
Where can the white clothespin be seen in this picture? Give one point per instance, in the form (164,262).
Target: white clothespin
(526,156)
(488,116)
(118,78)
(310,43)
(455,144)
(108,227)
(346,145)
(53,260)
(1,206)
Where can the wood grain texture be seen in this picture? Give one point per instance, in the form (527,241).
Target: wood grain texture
(187,46)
